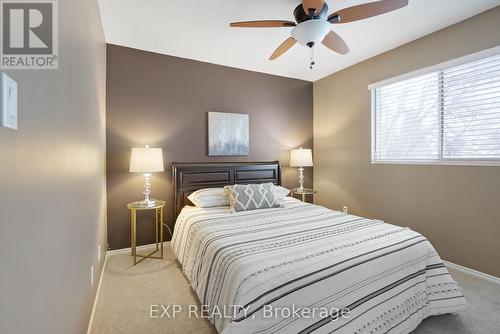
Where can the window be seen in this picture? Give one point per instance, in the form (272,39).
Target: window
(448,114)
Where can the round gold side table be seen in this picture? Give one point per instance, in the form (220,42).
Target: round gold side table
(303,192)
(158,206)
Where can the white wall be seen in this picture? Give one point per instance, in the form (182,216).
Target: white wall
(52,184)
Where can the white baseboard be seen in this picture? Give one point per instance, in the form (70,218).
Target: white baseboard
(97,294)
(478,274)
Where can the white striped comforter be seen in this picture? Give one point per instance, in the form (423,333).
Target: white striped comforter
(310,257)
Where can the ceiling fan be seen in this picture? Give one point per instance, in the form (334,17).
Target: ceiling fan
(313,24)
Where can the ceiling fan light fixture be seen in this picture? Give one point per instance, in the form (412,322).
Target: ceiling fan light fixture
(311,32)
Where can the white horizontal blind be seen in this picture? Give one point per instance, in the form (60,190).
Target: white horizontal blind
(471,107)
(446,116)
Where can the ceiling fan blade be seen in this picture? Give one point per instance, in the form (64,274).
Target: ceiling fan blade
(314,6)
(284,47)
(366,10)
(335,43)
(263,24)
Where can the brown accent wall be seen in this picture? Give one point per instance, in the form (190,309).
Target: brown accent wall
(163,101)
(52,184)
(456,207)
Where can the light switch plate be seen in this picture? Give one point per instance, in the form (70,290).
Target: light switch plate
(8,101)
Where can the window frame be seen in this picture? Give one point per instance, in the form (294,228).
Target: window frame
(436,68)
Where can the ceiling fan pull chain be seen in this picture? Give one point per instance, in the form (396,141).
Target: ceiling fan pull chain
(311,57)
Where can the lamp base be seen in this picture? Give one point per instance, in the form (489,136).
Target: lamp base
(146,203)
(301,179)
(147,191)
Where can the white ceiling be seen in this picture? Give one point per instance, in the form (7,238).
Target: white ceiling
(199,29)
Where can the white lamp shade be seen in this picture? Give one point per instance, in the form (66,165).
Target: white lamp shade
(301,158)
(146,160)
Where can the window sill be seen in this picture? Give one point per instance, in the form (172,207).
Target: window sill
(485,163)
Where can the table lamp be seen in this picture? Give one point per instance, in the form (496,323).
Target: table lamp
(301,158)
(146,160)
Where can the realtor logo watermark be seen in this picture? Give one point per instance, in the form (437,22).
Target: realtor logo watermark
(170,311)
(29,34)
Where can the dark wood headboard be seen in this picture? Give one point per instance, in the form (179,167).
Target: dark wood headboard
(189,177)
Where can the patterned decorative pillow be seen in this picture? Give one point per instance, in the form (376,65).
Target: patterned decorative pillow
(243,197)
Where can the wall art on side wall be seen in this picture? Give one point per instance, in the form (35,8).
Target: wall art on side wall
(228,134)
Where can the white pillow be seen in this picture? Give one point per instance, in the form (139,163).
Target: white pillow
(209,197)
(280,192)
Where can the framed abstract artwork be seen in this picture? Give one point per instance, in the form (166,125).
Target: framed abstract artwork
(228,134)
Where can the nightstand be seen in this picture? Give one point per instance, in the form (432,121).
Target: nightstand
(158,206)
(303,192)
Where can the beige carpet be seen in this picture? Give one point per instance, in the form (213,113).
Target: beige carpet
(127,292)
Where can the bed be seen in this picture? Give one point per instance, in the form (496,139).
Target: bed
(303,268)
